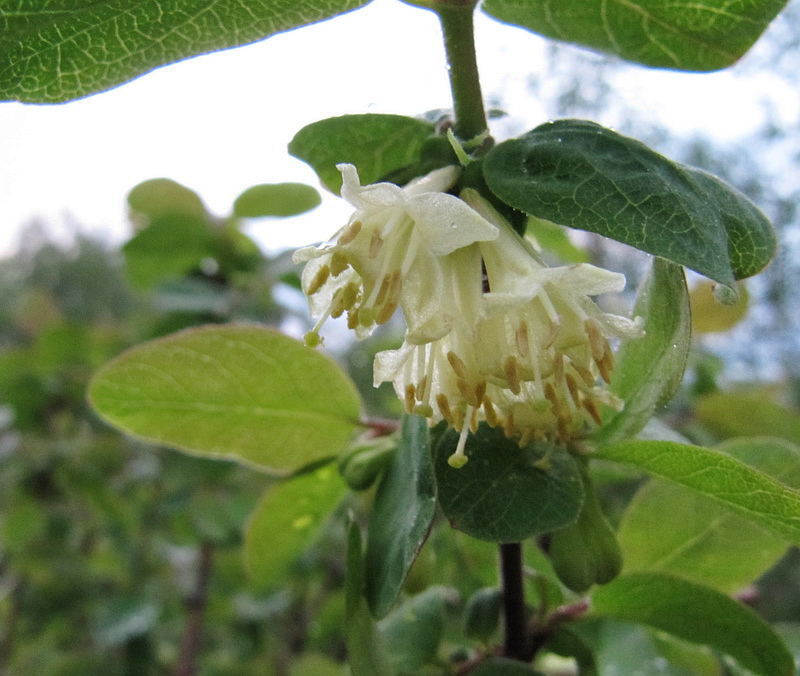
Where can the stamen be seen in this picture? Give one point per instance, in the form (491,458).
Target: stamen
(444,407)
(457,365)
(510,369)
(352,318)
(508,425)
(596,341)
(375,243)
(409,397)
(489,412)
(527,435)
(318,280)
(386,313)
(384,290)
(558,368)
(350,233)
(522,341)
(585,374)
(339,263)
(467,392)
(591,407)
(572,386)
(605,366)
(473,421)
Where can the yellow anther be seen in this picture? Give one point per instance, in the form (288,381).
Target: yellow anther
(489,412)
(409,398)
(444,407)
(510,369)
(338,263)
(457,365)
(375,244)
(572,386)
(318,280)
(596,341)
(591,407)
(523,346)
(350,233)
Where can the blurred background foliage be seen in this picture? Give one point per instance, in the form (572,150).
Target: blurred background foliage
(118,558)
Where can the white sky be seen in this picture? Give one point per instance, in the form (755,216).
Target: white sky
(220,123)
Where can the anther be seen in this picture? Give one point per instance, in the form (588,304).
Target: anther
(375,244)
(338,263)
(350,233)
(510,369)
(409,397)
(457,365)
(318,280)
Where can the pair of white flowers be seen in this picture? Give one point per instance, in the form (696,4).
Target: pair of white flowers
(493,334)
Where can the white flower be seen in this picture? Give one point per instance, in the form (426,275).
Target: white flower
(532,361)
(403,247)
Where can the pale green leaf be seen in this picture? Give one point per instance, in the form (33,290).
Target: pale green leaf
(734,414)
(649,369)
(238,390)
(703,541)
(697,614)
(716,475)
(288,517)
(701,36)
(276,199)
(52,52)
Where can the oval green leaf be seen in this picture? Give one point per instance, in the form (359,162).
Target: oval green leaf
(161,196)
(650,369)
(54,53)
(704,36)
(242,391)
(376,144)
(288,517)
(584,176)
(277,199)
(716,475)
(505,493)
(172,245)
(697,614)
(401,516)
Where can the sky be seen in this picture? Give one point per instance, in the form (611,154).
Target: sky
(221,122)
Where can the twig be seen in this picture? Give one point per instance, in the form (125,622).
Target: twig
(195,607)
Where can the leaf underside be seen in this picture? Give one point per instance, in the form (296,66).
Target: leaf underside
(701,36)
(51,52)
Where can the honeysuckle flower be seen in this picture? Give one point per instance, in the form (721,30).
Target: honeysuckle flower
(534,359)
(406,247)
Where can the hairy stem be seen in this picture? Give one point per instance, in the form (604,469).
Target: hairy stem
(457,22)
(511,574)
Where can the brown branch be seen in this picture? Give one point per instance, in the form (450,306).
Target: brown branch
(195,608)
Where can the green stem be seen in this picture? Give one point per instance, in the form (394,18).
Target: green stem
(456,17)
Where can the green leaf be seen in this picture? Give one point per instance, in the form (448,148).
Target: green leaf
(702,541)
(717,475)
(704,36)
(279,199)
(584,176)
(171,246)
(482,613)
(162,196)
(567,643)
(505,493)
(734,414)
(697,614)
(366,651)
(650,369)
(413,631)
(50,53)
(287,518)
(401,516)
(238,390)
(376,144)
